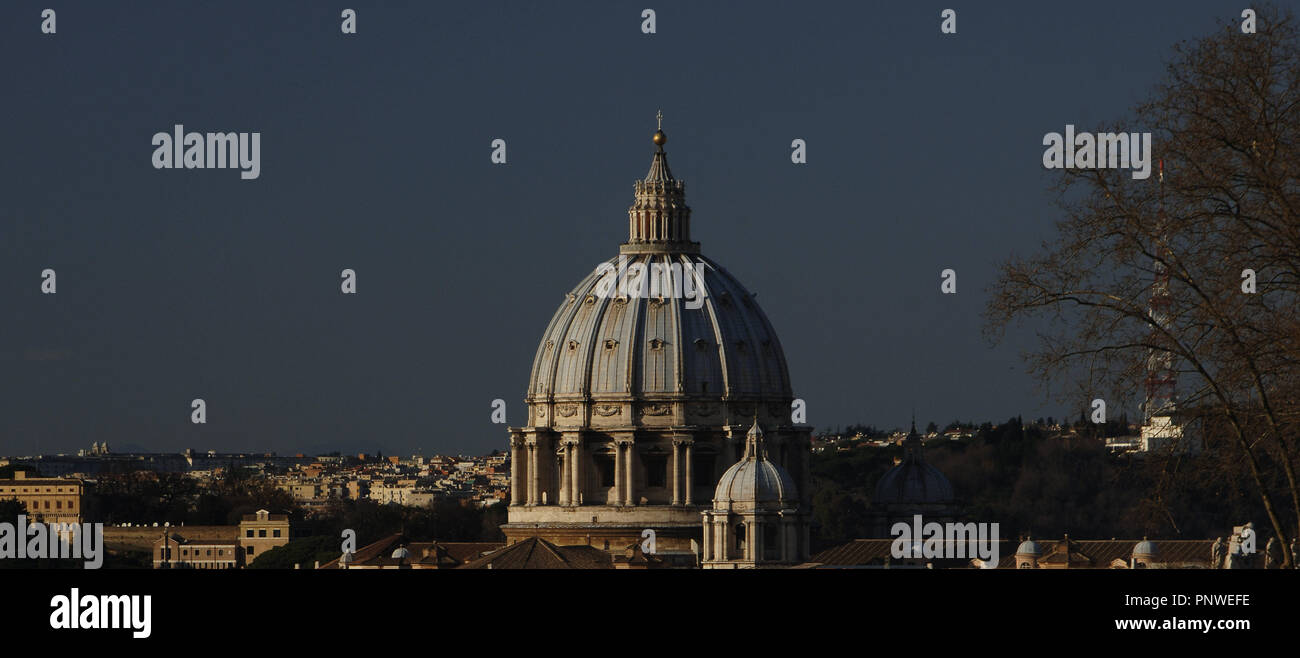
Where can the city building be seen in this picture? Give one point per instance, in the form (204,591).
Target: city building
(174,551)
(49,500)
(261,532)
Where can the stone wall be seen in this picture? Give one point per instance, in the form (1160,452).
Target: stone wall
(142,539)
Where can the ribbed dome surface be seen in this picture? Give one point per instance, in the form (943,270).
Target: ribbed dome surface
(603,345)
(913,482)
(755,481)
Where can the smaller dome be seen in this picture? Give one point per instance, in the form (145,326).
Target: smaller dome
(1145,547)
(401,553)
(913,481)
(754,479)
(346,558)
(1029,547)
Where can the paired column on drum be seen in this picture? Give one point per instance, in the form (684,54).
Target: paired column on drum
(710,545)
(571,469)
(683,449)
(517,470)
(789,539)
(531,461)
(534,486)
(624,470)
(629,471)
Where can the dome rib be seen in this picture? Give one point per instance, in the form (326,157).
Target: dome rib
(719,341)
(594,344)
(679,337)
(634,338)
(546,364)
(740,296)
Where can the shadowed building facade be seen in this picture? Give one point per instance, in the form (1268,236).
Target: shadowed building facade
(641,394)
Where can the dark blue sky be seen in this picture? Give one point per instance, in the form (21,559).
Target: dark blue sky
(924,153)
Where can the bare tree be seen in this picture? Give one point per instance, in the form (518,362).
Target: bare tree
(1219,218)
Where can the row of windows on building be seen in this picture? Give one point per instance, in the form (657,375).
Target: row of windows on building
(33,505)
(197,552)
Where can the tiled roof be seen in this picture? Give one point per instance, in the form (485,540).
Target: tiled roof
(536,553)
(442,554)
(366,554)
(871,552)
(1103,552)
(465,551)
(1083,553)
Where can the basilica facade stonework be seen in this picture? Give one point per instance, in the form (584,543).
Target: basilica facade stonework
(641,398)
